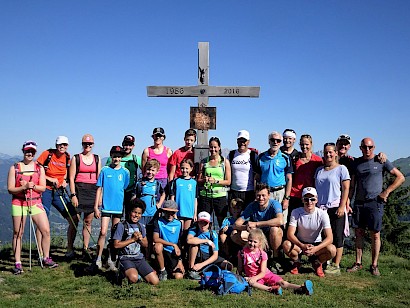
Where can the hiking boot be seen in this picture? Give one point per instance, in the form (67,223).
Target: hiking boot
(163,275)
(87,254)
(332,270)
(69,255)
(317,266)
(295,268)
(355,267)
(374,270)
(194,275)
(99,264)
(111,265)
(276,267)
(307,287)
(18,269)
(48,262)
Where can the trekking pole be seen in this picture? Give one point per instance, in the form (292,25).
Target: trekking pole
(212,205)
(82,219)
(34,231)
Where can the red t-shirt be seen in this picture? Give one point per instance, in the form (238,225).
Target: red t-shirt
(176,159)
(304,175)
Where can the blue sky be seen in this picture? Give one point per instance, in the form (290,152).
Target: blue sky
(324,68)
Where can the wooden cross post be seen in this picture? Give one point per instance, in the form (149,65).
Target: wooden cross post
(202,117)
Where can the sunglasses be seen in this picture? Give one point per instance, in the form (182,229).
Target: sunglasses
(127,144)
(30,143)
(344,137)
(88,144)
(274,140)
(168,212)
(116,156)
(62,145)
(309,199)
(32,152)
(158,135)
(365,147)
(289,130)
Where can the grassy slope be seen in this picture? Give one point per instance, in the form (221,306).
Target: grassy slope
(68,286)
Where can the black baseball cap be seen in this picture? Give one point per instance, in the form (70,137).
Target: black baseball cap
(116,149)
(159,131)
(129,138)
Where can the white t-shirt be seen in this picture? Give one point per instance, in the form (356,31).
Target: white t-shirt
(309,226)
(241,170)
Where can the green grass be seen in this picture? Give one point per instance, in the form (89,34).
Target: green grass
(68,286)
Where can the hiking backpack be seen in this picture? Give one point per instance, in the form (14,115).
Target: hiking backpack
(223,281)
(114,252)
(77,164)
(253,159)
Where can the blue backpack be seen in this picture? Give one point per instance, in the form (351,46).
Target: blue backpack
(223,281)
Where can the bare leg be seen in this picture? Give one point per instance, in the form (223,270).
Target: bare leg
(18,231)
(88,219)
(275,240)
(71,232)
(43,226)
(159,248)
(359,244)
(338,257)
(193,251)
(103,234)
(376,243)
(291,250)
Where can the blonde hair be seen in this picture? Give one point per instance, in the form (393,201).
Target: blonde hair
(152,163)
(259,235)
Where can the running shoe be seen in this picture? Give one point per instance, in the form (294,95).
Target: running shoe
(295,268)
(356,267)
(332,270)
(317,266)
(276,290)
(374,270)
(99,264)
(18,269)
(308,287)
(163,275)
(70,255)
(48,262)
(194,275)
(111,265)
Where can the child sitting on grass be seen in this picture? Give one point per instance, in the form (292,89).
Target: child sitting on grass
(252,261)
(203,247)
(132,261)
(167,232)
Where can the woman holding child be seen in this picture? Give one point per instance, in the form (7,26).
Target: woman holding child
(214,175)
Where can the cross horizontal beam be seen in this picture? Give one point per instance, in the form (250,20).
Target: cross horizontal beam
(202,91)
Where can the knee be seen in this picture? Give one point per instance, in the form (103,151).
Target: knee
(103,233)
(287,246)
(275,232)
(332,250)
(158,247)
(133,278)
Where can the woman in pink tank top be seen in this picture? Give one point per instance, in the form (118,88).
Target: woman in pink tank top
(159,152)
(84,170)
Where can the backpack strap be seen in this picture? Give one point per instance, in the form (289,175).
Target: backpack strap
(231,155)
(77,164)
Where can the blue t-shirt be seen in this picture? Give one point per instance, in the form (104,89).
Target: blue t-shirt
(274,169)
(252,212)
(150,193)
(114,182)
(205,236)
(169,231)
(133,250)
(185,192)
(228,221)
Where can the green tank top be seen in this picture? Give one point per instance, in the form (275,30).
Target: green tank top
(218,173)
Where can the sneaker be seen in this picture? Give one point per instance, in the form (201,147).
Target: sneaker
(307,287)
(276,290)
(163,275)
(295,268)
(99,264)
(194,275)
(48,262)
(317,266)
(70,255)
(276,267)
(374,270)
(111,265)
(18,269)
(355,267)
(332,270)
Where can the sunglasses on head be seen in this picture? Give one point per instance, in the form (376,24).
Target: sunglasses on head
(344,137)
(31,143)
(274,140)
(309,199)
(289,130)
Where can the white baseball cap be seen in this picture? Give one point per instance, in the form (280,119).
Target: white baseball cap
(310,191)
(204,216)
(62,139)
(243,134)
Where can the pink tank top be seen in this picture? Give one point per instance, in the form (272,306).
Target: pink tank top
(163,160)
(25,198)
(86,173)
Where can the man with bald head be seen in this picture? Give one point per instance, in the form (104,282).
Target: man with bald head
(367,182)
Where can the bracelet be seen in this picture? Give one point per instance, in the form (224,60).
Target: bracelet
(73,195)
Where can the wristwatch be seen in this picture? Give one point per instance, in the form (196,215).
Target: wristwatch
(286,197)
(73,195)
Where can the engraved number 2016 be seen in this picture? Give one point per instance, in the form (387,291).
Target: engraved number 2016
(231,91)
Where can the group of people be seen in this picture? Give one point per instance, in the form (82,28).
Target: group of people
(279,202)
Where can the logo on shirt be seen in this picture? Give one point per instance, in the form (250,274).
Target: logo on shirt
(189,187)
(120,177)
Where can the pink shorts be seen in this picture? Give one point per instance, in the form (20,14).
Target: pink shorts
(270,279)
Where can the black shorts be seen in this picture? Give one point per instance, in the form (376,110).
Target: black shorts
(219,205)
(111,215)
(246,196)
(141,265)
(202,256)
(338,227)
(86,197)
(368,215)
(171,261)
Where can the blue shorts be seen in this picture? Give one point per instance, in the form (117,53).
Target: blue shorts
(368,215)
(141,265)
(55,197)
